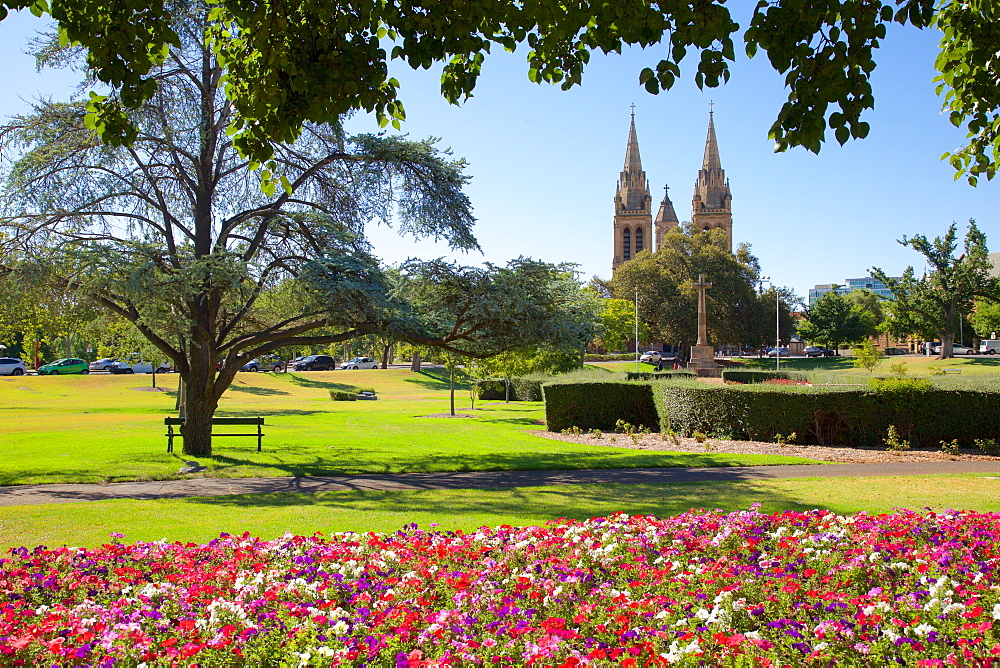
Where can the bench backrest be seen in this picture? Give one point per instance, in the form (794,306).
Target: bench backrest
(219,420)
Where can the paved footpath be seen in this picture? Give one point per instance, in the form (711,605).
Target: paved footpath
(173,489)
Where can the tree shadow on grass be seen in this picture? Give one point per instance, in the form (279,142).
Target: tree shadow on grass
(578,502)
(435,379)
(357,461)
(319,384)
(260,391)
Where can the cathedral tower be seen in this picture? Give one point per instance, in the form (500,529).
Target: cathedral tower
(633,205)
(711,206)
(666,217)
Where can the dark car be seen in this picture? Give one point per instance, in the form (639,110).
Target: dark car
(316,363)
(816,351)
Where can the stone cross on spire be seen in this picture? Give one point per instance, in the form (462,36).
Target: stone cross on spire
(701,286)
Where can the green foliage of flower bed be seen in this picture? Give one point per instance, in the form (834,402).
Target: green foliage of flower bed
(759,376)
(598,405)
(921,414)
(659,375)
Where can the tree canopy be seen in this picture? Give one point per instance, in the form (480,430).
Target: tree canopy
(835,319)
(668,304)
(173,235)
(288,64)
(934,303)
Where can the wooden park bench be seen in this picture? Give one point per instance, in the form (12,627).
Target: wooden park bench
(171,422)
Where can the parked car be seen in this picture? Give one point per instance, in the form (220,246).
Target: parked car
(270,363)
(779,352)
(62,367)
(103,364)
(360,363)
(652,357)
(316,363)
(816,351)
(11,366)
(956,349)
(138,367)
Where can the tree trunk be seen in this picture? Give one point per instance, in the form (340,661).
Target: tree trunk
(386,349)
(506,383)
(451,379)
(946,349)
(200,401)
(415,364)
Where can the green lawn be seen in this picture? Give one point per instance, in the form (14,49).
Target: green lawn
(268,516)
(107,428)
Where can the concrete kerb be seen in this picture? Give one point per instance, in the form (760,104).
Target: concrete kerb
(174,489)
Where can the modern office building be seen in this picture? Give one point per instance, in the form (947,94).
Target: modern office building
(851,284)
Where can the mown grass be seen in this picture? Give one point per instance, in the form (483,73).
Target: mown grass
(270,515)
(108,428)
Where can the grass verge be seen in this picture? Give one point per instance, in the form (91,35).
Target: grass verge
(270,515)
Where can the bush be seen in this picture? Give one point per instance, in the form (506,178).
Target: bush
(343,395)
(598,405)
(920,413)
(659,375)
(759,376)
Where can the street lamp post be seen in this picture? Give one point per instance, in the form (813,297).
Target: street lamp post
(637,330)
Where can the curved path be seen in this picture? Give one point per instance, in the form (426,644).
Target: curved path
(69,493)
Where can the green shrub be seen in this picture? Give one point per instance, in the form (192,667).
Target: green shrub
(613,357)
(343,395)
(598,405)
(759,376)
(921,414)
(529,388)
(659,375)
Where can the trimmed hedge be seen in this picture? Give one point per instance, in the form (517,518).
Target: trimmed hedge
(659,375)
(821,415)
(598,405)
(759,375)
(830,416)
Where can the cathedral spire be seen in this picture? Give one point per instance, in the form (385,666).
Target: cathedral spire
(666,217)
(633,204)
(711,159)
(711,206)
(633,163)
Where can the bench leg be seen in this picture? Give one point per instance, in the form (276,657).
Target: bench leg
(259,437)
(170,438)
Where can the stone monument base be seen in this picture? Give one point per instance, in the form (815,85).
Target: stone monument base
(703,362)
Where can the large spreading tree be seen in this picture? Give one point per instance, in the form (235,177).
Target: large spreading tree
(933,304)
(835,319)
(174,234)
(668,303)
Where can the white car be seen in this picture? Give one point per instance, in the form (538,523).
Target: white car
(360,363)
(11,366)
(104,364)
(956,349)
(651,357)
(138,367)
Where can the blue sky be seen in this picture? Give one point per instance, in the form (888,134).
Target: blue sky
(545,162)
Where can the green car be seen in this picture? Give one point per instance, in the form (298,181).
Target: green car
(63,367)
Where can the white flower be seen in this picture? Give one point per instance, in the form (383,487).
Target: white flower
(820,645)
(923,630)
(996,611)
(340,628)
(954,607)
(702,614)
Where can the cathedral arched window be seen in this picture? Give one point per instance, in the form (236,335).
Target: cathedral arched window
(627,244)
(638,240)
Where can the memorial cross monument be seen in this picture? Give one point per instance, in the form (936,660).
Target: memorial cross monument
(703,355)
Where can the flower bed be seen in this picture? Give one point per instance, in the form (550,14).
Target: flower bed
(744,588)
